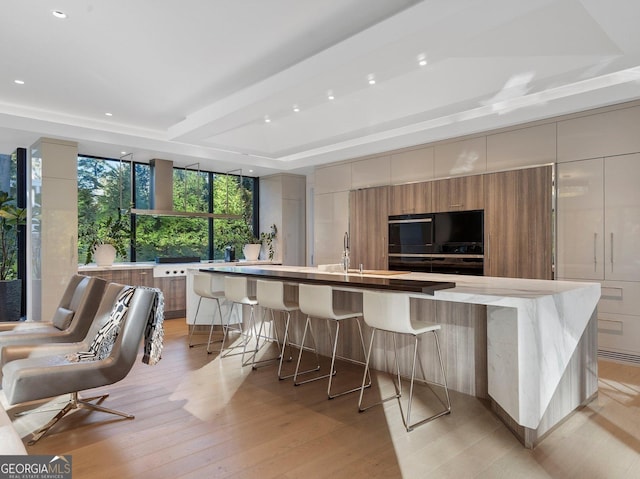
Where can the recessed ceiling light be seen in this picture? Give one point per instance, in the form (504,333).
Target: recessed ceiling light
(250,171)
(267,119)
(123,152)
(330,95)
(371,79)
(109,114)
(296,108)
(59,14)
(422,60)
(18,82)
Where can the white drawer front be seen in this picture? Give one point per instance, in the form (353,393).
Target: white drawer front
(618,332)
(620,297)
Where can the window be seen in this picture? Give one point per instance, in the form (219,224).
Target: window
(103,190)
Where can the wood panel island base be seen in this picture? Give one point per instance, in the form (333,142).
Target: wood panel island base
(528,346)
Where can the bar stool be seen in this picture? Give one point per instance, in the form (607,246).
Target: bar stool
(270,295)
(203,286)
(236,292)
(317,301)
(390,312)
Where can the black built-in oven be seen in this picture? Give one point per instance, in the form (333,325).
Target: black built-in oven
(411,234)
(448,242)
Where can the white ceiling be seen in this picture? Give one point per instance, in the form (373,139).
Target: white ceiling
(192,81)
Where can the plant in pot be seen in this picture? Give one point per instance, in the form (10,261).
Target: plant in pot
(252,246)
(11,217)
(107,239)
(267,238)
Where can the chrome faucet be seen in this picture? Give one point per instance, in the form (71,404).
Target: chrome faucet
(345,253)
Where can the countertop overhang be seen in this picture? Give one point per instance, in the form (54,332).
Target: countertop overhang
(340,280)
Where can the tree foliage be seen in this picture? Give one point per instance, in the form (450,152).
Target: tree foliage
(103,187)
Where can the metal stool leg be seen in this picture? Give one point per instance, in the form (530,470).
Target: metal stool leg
(284,347)
(226,328)
(193,326)
(307,326)
(212,324)
(447,405)
(273,337)
(367,371)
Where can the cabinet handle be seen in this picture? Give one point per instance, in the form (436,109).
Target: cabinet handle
(612,252)
(459,205)
(595,253)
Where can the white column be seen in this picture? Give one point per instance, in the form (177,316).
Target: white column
(52,252)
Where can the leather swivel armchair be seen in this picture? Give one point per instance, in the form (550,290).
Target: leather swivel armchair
(52,375)
(71,321)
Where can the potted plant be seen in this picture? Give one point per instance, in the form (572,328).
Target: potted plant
(267,238)
(107,239)
(252,246)
(10,286)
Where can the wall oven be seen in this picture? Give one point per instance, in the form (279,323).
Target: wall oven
(449,242)
(411,234)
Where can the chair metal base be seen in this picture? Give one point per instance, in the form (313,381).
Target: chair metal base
(76,403)
(273,337)
(195,323)
(406,419)
(227,351)
(332,371)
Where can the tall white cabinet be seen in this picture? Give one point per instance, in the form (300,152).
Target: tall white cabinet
(598,234)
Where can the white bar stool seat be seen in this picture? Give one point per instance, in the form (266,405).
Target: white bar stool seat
(317,301)
(236,292)
(390,312)
(203,286)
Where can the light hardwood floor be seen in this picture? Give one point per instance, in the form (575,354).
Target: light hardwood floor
(199,416)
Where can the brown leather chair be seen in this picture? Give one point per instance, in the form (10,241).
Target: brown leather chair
(71,320)
(52,375)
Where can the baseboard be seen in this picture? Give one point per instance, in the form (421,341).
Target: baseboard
(619,357)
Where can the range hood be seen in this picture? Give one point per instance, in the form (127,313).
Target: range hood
(161,195)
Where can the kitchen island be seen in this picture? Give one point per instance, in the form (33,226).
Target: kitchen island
(529,346)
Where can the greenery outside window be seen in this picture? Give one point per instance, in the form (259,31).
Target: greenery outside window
(104,187)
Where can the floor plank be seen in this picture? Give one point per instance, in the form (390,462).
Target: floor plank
(198,415)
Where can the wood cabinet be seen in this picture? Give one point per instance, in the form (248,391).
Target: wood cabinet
(518,223)
(458,194)
(130,276)
(368,217)
(174,290)
(410,198)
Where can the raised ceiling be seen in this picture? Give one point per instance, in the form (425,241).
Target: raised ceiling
(193,81)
